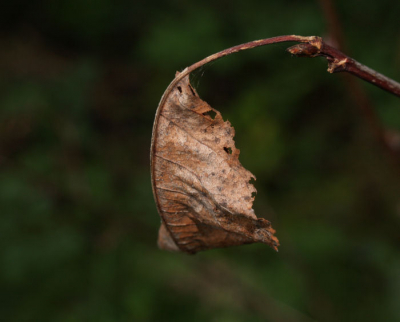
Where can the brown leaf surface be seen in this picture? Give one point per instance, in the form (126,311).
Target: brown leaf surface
(202,191)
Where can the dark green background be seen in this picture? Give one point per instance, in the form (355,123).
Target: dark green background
(80,81)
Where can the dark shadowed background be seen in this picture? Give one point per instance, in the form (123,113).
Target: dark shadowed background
(80,81)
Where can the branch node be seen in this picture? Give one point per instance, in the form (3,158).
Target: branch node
(310,48)
(304,50)
(317,42)
(337,65)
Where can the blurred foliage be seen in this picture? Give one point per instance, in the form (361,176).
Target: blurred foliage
(80,81)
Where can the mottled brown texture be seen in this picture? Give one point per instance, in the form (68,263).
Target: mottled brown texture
(202,191)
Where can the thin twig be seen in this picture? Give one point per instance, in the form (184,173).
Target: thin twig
(354,88)
(339,62)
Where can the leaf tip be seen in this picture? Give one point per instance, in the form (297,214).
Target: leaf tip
(165,240)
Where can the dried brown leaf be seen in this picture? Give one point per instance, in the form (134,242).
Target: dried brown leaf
(202,191)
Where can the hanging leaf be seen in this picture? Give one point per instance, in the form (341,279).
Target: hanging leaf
(202,191)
